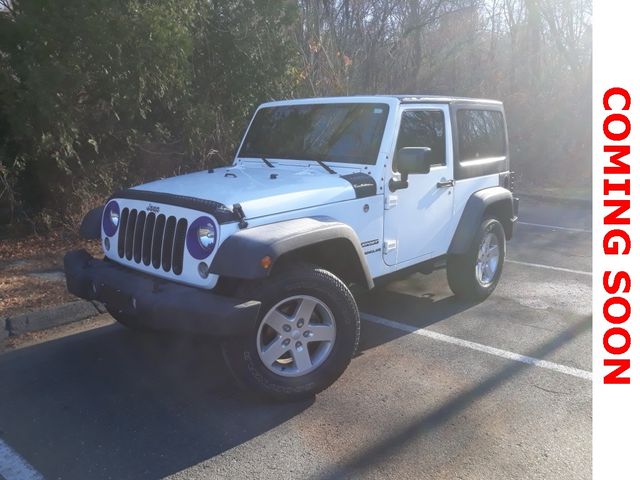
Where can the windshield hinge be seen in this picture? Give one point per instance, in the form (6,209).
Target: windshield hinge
(389,246)
(390,202)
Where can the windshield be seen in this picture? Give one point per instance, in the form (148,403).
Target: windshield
(338,132)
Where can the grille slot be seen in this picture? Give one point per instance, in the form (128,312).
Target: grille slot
(124,216)
(156,243)
(137,236)
(178,246)
(152,240)
(147,236)
(167,243)
(128,235)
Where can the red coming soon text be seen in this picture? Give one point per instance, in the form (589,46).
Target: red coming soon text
(617,240)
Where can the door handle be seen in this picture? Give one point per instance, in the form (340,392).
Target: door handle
(446,183)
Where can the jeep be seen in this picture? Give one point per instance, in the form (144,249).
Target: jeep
(324,195)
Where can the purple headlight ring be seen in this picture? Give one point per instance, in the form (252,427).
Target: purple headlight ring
(107,225)
(196,250)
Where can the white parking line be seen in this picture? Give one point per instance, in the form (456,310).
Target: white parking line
(554,227)
(14,467)
(575,372)
(549,267)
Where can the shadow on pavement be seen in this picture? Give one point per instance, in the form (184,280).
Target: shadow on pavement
(419,313)
(110,403)
(380,452)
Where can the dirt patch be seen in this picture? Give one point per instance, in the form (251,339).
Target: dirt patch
(31,271)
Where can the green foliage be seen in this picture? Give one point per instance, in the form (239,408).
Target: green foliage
(96,95)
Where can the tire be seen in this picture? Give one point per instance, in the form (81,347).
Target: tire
(299,304)
(465,275)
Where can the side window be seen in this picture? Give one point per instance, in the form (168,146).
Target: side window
(423,128)
(480,134)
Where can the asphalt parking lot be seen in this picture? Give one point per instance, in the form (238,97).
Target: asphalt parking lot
(439,390)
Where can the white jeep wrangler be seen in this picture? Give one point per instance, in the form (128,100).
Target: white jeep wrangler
(323,194)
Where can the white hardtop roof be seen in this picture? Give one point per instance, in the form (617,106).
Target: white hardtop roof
(391,99)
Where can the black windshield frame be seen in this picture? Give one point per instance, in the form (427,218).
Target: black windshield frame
(330,132)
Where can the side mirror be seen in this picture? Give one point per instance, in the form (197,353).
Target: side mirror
(411,160)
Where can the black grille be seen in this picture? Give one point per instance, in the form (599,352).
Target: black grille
(153,240)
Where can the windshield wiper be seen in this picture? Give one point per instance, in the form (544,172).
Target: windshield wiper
(267,162)
(326,167)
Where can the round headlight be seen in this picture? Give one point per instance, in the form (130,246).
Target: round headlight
(111,218)
(201,237)
(115,218)
(207,235)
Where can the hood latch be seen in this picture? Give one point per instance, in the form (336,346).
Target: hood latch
(239,213)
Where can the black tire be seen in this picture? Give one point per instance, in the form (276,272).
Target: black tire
(241,354)
(461,269)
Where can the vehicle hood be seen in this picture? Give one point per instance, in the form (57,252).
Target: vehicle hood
(255,189)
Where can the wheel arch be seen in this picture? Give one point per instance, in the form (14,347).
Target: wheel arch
(90,228)
(496,202)
(322,241)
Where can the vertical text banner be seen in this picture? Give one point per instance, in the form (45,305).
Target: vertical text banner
(616,239)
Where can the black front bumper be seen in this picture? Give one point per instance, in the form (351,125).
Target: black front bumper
(156,303)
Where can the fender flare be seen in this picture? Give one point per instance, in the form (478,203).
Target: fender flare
(499,201)
(90,228)
(240,254)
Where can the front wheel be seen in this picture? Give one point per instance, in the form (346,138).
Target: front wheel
(475,275)
(307,332)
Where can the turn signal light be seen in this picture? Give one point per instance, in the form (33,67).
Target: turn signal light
(266,262)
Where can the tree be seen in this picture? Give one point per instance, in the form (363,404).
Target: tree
(98,95)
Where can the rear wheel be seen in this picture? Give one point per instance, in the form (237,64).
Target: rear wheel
(307,332)
(475,275)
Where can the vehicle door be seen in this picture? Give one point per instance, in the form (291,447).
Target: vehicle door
(418,219)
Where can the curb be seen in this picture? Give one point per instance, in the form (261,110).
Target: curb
(49,317)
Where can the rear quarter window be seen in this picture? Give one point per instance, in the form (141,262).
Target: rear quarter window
(481,134)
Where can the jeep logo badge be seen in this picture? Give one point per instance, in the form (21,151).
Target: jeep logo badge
(153,208)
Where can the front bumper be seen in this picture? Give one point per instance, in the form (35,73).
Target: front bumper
(156,303)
